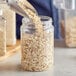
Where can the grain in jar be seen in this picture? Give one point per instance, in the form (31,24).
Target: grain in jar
(70,28)
(2,35)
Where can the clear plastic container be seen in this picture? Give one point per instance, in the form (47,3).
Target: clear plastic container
(70,28)
(10,17)
(37,51)
(2,34)
(59,4)
(68,24)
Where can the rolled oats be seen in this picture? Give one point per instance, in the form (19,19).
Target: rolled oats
(2,43)
(70,32)
(37,52)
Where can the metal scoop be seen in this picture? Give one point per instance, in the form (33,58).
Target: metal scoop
(14,5)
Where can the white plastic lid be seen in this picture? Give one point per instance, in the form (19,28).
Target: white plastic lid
(1,12)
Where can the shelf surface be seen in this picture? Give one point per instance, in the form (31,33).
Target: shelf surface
(11,50)
(65,64)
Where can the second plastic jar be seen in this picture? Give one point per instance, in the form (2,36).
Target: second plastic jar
(70,28)
(37,52)
(10,17)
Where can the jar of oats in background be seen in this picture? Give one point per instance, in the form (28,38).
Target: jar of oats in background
(70,28)
(10,17)
(2,34)
(37,52)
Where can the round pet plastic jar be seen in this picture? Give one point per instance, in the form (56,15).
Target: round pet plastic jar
(37,52)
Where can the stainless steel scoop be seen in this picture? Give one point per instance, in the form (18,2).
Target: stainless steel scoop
(14,5)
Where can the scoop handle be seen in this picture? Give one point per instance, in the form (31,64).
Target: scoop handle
(14,6)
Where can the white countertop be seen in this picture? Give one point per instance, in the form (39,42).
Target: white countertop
(65,64)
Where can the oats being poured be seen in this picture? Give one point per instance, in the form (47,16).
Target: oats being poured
(32,15)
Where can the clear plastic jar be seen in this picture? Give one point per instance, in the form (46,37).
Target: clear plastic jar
(2,35)
(70,28)
(37,51)
(10,17)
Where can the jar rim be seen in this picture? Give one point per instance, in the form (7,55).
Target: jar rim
(45,18)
